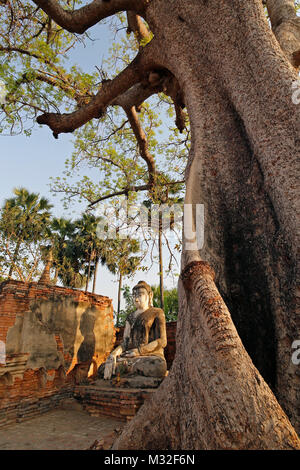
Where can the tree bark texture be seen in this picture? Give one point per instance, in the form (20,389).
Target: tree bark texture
(216,399)
(286,27)
(237,87)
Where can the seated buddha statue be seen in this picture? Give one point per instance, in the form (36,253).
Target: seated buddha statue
(141,351)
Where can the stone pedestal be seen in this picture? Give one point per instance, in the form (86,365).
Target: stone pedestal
(101,398)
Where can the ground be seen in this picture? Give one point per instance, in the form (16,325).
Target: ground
(66,428)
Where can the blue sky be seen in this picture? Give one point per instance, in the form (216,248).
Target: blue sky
(31,161)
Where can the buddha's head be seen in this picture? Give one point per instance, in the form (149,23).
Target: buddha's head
(142,295)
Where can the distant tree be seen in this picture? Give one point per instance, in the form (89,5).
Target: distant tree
(163,196)
(170,302)
(60,231)
(123,261)
(23,229)
(67,255)
(95,250)
(129,305)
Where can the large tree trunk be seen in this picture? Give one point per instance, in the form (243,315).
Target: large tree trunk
(237,87)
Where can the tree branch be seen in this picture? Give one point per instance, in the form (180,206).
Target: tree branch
(171,88)
(59,80)
(286,27)
(135,189)
(156,83)
(137,27)
(54,81)
(144,187)
(78,21)
(109,90)
(11,258)
(142,143)
(22,51)
(136,95)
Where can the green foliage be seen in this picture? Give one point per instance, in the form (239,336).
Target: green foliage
(34,68)
(129,305)
(67,254)
(170,301)
(76,249)
(119,257)
(24,219)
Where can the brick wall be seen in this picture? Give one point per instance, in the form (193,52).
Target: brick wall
(16,297)
(42,312)
(32,393)
(29,309)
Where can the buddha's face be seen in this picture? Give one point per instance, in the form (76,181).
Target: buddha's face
(141,298)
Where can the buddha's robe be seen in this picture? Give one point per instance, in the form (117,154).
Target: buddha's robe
(146,333)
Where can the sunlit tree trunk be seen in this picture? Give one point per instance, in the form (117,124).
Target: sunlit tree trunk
(237,86)
(235,327)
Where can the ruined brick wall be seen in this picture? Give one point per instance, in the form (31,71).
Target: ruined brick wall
(54,337)
(120,403)
(30,392)
(169,350)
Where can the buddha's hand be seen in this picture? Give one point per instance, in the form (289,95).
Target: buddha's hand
(110,367)
(131,353)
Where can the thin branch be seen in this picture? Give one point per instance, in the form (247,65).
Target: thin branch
(125,191)
(144,187)
(109,90)
(26,52)
(59,81)
(31,272)
(170,251)
(105,139)
(11,258)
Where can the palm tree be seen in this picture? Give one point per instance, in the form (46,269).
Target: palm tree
(60,234)
(93,248)
(24,219)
